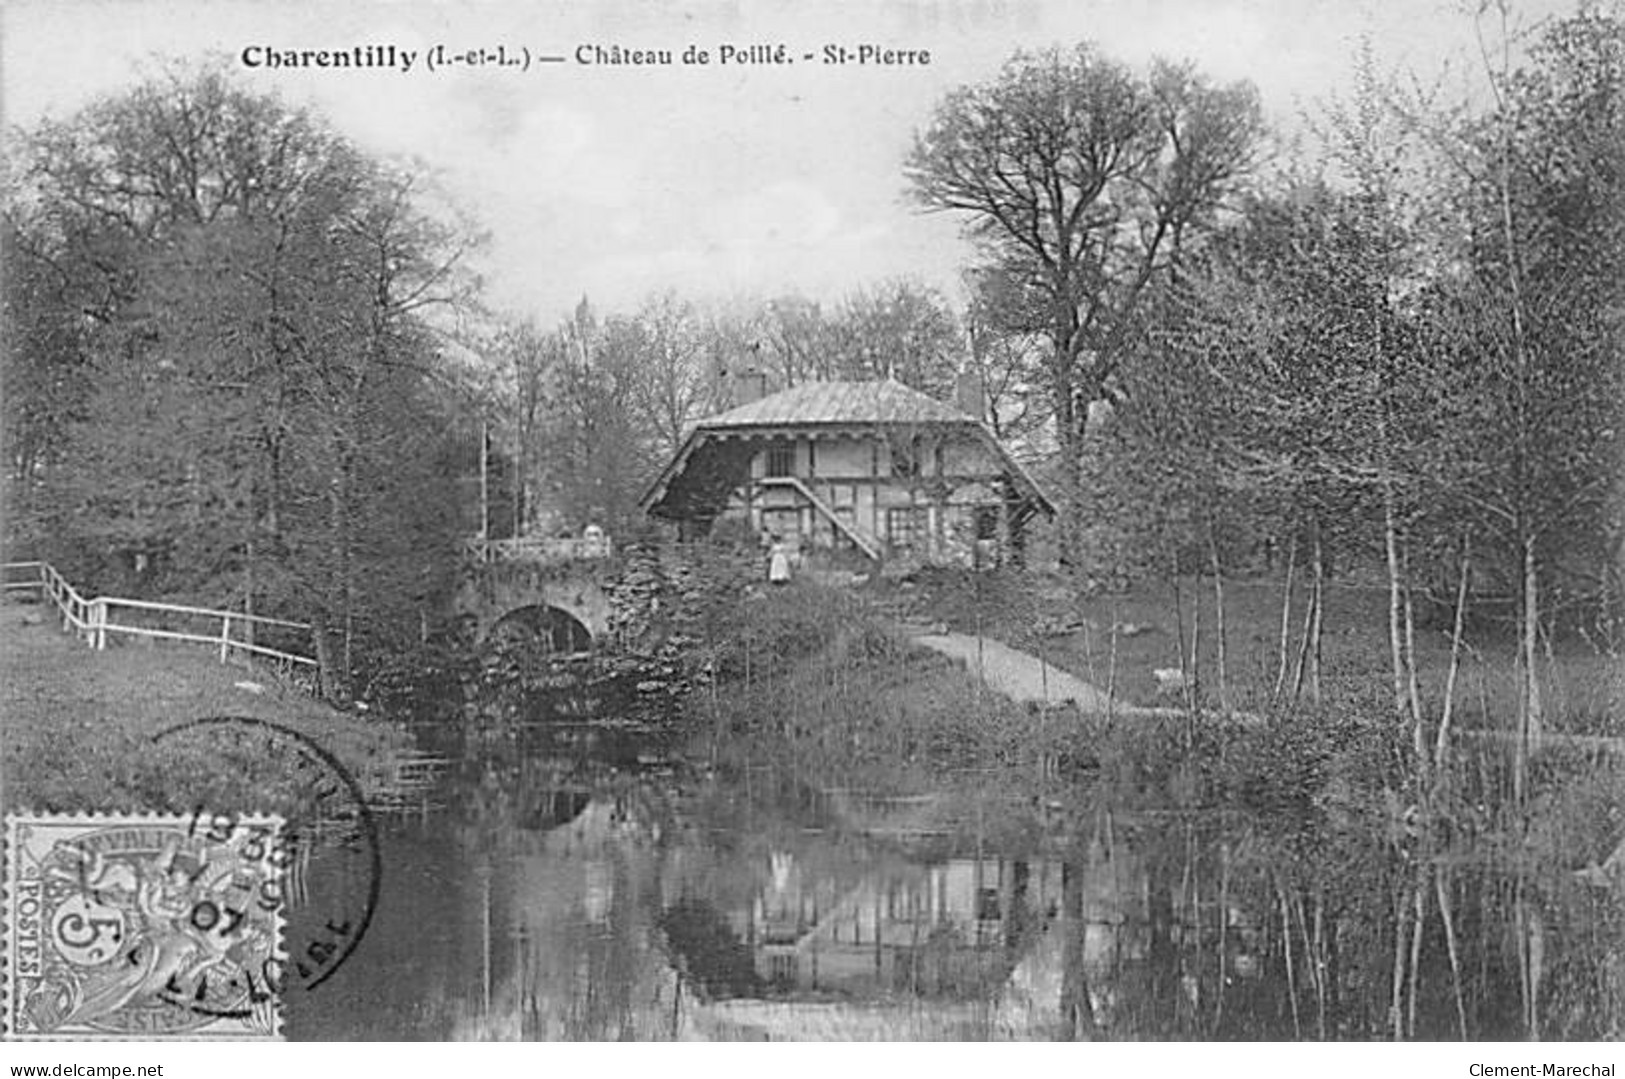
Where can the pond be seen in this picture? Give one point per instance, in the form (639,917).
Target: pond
(579,879)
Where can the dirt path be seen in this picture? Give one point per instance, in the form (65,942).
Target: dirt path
(1020,676)
(1025,678)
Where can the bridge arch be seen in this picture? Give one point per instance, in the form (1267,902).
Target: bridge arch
(553,628)
(519,601)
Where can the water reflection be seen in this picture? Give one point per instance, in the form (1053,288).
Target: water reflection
(556,898)
(568,879)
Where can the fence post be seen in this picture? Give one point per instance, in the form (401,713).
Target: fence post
(99,620)
(225,637)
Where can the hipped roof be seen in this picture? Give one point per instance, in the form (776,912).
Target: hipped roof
(885,403)
(840,402)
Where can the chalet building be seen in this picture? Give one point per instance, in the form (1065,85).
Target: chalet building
(875,468)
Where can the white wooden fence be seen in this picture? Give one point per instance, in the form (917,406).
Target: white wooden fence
(93,620)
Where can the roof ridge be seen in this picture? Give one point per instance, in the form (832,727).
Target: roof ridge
(841,400)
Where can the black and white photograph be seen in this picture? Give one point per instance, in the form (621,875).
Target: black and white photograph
(752,521)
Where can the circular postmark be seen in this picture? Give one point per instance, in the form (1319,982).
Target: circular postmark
(331,871)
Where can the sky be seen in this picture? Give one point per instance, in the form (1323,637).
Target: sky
(716,181)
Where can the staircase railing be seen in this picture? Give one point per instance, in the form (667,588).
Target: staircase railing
(868,544)
(92,620)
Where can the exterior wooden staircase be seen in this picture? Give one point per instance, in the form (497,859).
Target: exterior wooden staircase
(866,543)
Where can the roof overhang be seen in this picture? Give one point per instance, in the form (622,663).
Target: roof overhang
(702,434)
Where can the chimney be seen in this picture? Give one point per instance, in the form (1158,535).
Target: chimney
(970,396)
(749,384)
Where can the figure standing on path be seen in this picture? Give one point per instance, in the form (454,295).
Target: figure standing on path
(778,562)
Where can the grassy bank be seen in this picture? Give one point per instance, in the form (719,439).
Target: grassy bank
(1584,690)
(79,727)
(820,678)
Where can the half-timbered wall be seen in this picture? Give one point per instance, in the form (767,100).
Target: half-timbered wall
(935,507)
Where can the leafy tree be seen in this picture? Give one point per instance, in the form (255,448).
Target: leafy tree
(1083,185)
(264,379)
(598,389)
(47,386)
(1007,361)
(1532,323)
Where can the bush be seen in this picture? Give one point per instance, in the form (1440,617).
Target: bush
(1336,757)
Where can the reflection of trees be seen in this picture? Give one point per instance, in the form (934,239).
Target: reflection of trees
(1177,931)
(703,942)
(566,914)
(596,909)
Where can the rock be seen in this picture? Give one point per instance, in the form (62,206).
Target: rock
(1132,629)
(33,618)
(1170,680)
(250,687)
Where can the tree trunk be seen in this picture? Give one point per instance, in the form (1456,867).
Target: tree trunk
(1193,688)
(326,671)
(1301,667)
(1077,1010)
(1443,892)
(1111,670)
(485,488)
(518,482)
(1072,500)
(335,680)
(1218,619)
(1317,602)
(1418,924)
(1286,619)
(1390,537)
(248,590)
(1533,710)
(1179,631)
(1441,746)
(1413,694)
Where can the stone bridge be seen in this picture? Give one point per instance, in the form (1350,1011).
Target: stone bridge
(580,596)
(567,604)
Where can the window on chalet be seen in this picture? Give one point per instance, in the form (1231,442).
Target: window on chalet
(905,458)
(905,527)
(781,969)
(781,459)
(844,514)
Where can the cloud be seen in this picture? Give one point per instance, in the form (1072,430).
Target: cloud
(785,212)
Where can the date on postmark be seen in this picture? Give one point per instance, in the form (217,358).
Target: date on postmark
(151,926)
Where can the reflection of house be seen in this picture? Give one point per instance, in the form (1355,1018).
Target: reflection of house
(952,930)
(874,467)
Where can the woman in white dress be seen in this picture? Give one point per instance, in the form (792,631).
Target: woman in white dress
(778,562)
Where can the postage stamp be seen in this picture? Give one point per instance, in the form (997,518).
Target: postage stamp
(151,926)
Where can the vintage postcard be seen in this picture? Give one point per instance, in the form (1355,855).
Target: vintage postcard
(709,520)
